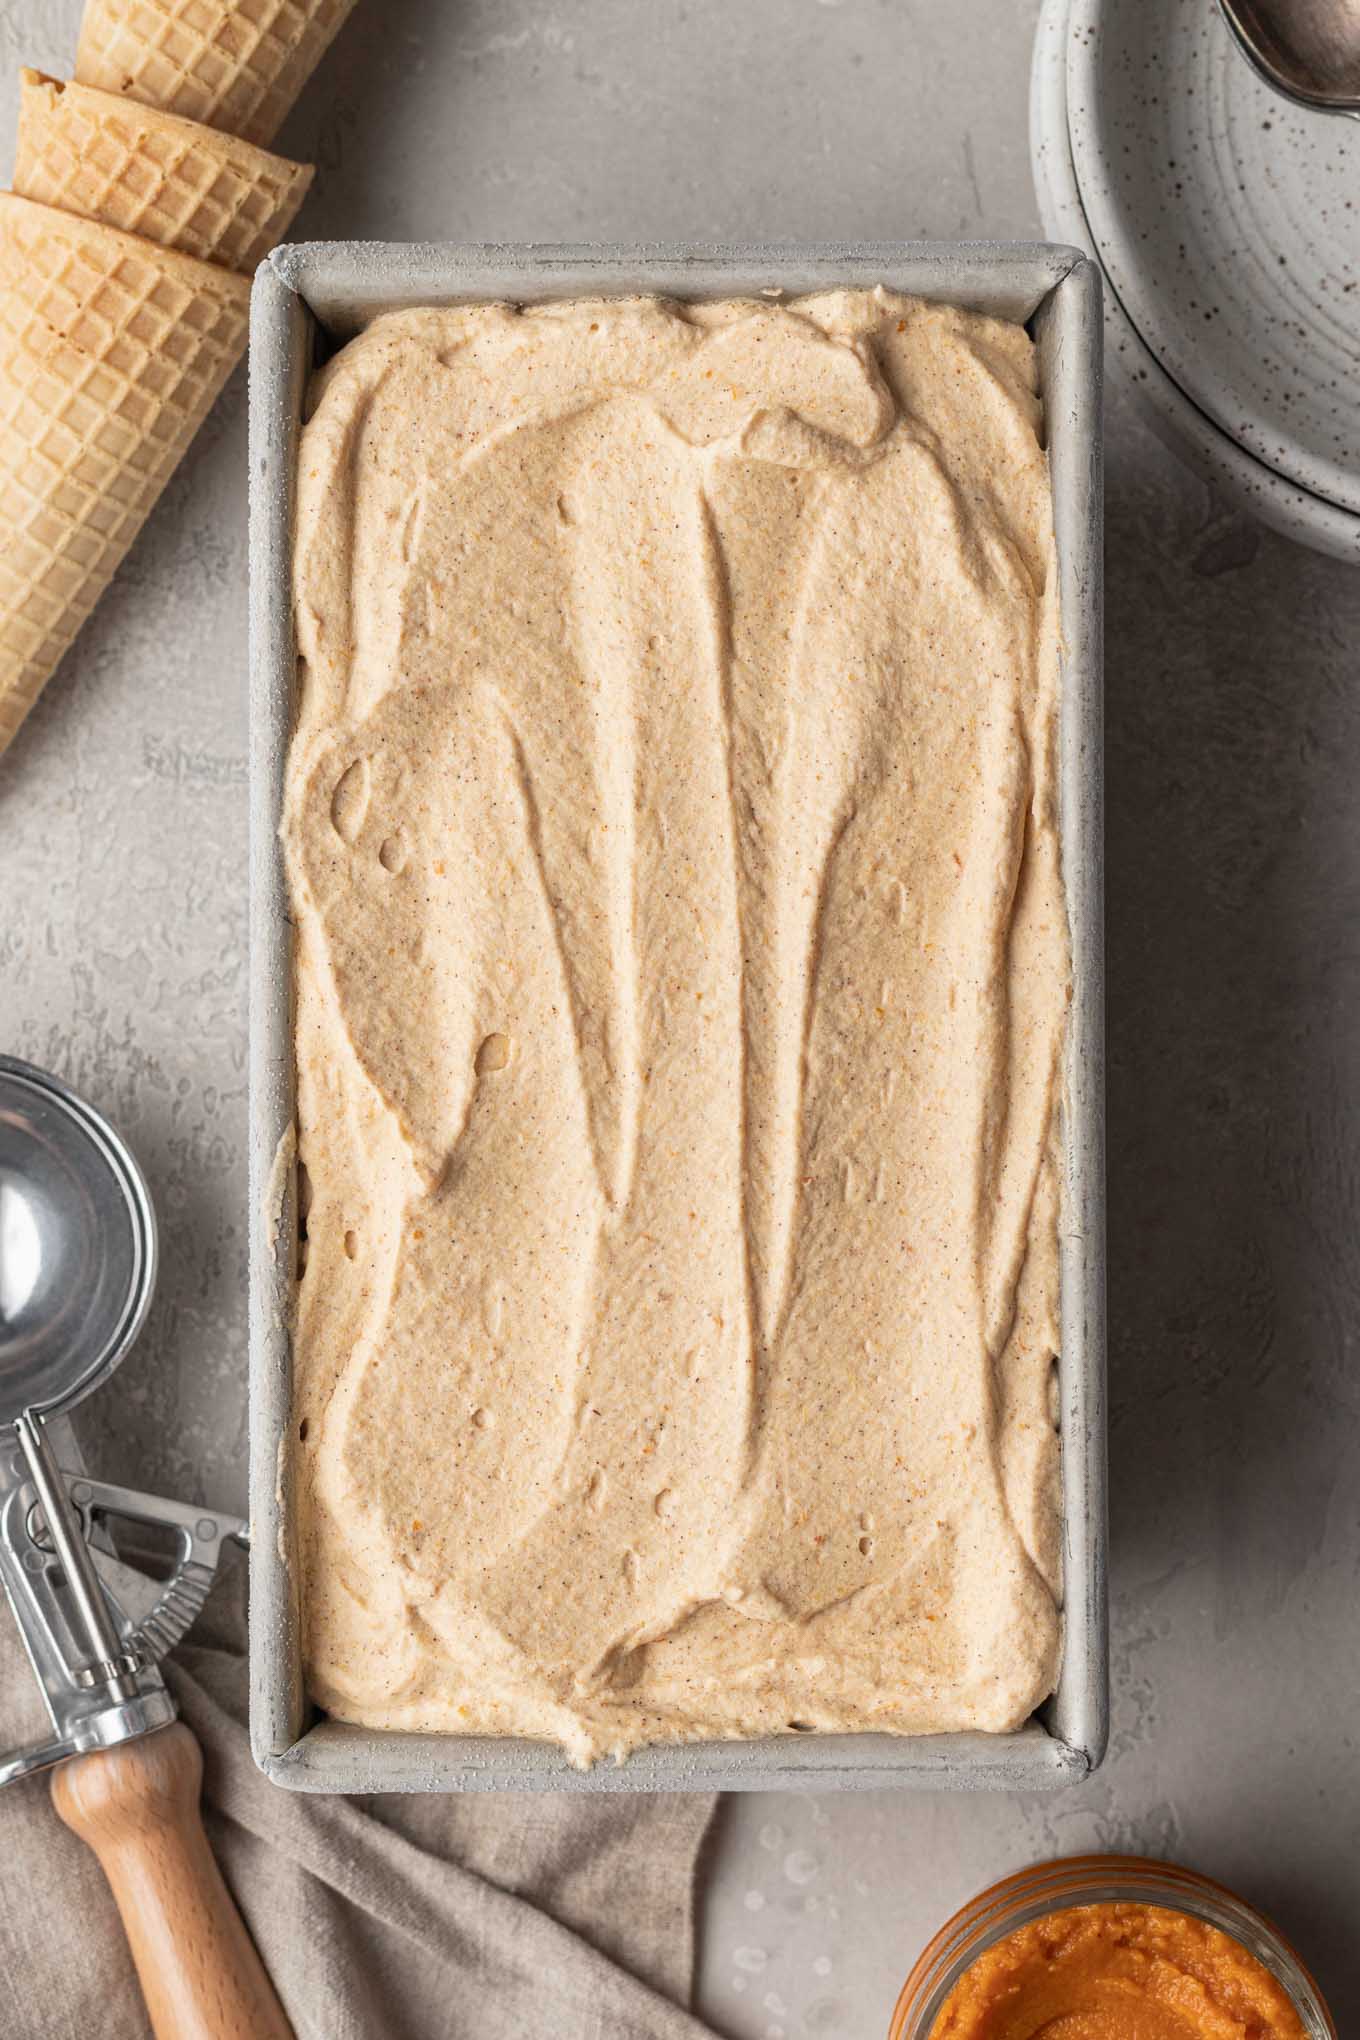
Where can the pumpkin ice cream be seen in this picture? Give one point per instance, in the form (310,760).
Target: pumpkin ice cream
(681,978)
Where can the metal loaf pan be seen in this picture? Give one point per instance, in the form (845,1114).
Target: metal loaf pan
(308,299)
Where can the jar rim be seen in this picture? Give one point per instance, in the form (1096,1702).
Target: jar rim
(1064,1882)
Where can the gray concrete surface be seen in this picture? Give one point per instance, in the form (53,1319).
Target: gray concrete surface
(1234,906)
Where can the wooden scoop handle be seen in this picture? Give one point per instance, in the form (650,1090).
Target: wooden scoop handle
(137,1806)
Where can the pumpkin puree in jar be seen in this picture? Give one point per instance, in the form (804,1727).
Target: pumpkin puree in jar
(1119,1971)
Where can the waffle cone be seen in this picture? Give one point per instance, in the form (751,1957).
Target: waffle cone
(149,173)
(111,353)
(231,64)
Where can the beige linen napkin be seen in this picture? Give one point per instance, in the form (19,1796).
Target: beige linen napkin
(395,1918)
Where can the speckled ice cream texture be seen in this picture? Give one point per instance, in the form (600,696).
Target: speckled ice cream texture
(682,970)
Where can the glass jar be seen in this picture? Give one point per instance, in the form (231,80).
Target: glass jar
(1096,1880)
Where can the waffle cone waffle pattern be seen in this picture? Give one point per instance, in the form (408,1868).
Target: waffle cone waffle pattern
(111,353)
(172,181)
(143,198)
(232,64)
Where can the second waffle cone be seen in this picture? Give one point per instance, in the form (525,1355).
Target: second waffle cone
(149,173)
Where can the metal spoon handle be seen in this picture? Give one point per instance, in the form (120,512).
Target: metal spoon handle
(110,1664)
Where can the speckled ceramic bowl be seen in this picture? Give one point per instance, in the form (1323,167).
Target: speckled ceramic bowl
(1070,40)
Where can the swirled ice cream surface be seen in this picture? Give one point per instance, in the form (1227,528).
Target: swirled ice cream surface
(681,973)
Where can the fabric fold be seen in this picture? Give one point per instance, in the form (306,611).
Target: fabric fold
(432,1918)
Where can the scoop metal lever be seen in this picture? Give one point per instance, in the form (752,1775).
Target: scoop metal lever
(94,1704)
(112,1666)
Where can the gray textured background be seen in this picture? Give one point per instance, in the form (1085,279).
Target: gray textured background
(1234,739)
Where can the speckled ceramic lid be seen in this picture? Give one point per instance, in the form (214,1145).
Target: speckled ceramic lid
(1228,223)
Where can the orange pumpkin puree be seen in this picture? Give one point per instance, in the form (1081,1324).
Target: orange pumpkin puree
(1117,1972)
